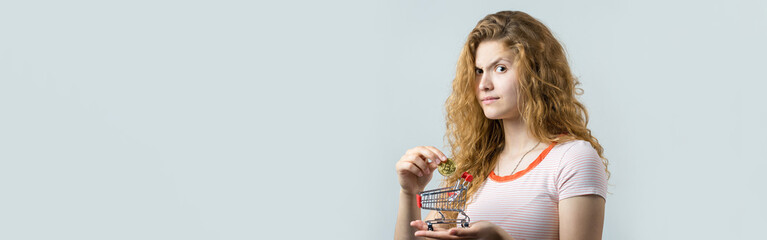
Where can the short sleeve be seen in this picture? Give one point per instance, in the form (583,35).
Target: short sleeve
(581,172)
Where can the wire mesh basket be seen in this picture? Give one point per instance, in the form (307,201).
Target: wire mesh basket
(447,199)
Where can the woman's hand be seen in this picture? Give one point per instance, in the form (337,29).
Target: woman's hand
(415,171)
(477,230)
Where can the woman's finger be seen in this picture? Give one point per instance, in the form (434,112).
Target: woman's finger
(439,153)
(419,225)
(433,154)
(421,164)
(415,169)
(464,232)
(436,234)
(428,152)
(408,166)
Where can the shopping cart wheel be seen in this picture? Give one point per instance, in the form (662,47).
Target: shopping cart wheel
(465,224)
(431,228)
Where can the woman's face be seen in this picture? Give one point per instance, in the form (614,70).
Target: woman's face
(497,80)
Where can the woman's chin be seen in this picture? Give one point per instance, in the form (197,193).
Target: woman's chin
(499,116)
(493,116)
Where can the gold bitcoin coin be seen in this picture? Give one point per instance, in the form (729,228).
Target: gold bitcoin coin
(446,168)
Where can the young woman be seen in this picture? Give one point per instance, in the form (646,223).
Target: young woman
(513,121)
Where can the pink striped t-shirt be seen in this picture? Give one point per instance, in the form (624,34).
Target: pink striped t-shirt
(525,204)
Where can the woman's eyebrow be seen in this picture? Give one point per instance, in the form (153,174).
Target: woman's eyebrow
(494,62)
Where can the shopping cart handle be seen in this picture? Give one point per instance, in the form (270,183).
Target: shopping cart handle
(418,199)
(466,176)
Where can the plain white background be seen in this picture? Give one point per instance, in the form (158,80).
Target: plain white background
(243,120)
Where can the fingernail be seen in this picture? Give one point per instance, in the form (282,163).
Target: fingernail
(444,158)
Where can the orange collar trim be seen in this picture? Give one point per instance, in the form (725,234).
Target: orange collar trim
(529,168)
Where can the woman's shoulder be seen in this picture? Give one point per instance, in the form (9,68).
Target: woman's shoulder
(576,151)
(575,145)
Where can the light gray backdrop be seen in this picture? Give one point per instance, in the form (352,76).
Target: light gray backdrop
(255,120)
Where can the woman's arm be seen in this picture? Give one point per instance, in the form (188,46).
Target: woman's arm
(581,217)
(414,172)
(408,211)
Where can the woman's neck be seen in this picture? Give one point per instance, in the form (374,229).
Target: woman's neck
(517,137)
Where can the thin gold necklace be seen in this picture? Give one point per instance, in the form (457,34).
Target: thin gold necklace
(498,164)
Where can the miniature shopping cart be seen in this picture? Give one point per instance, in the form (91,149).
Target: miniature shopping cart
(451,199)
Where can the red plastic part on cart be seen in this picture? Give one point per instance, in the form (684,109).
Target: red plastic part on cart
(469,178)
(464,175)
(418,198)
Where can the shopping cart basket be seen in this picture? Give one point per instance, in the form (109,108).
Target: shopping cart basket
(449,199)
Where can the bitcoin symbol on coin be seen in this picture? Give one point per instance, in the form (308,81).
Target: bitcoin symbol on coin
(446,168)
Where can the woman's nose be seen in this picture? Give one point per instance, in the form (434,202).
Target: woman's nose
(485,83)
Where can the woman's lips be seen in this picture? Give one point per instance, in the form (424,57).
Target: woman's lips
(489,101)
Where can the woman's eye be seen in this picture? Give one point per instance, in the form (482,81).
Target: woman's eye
(478,71)
(500,68)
